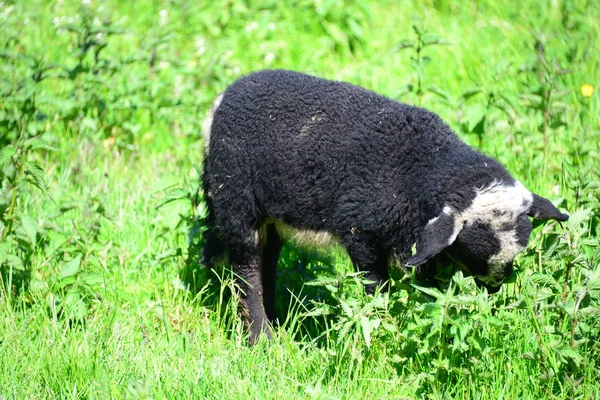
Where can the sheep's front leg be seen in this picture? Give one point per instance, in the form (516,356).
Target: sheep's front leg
(369,257)
(247,266)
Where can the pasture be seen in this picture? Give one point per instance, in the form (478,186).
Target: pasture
(101,111)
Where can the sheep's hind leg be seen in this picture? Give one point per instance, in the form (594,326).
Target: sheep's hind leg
(246,261)
(271,249)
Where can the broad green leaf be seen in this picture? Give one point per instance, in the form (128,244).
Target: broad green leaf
(30,226)
(347,310)
(528,355)
(471,92)
(571,353)
(435,40)
(389,327)
(593,283)
(404,44)
(336,33)
(431,292)
(542,279)
(576,218)
(590,312)
(366,329)
(37,143)
(173,195)
(479,127)
(436,90)
(15,262)
(6,153)
(70,268)
(35,176)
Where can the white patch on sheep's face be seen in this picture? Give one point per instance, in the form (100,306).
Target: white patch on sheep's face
(495,228)
(208,120)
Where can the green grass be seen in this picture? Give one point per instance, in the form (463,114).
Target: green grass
(99,209)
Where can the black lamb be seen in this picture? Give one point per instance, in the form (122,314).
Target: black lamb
(287,152)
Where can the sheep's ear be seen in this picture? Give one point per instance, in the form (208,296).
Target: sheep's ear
(438,234)
(542,208)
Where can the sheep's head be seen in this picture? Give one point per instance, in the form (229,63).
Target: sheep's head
(486,236)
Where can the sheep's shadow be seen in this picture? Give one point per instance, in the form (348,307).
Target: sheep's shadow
(296,267)
(295,297)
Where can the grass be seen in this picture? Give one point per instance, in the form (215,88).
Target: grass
(100,137)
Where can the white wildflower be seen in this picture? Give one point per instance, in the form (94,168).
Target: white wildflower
(86,2)
(271,26)
(556,189)
(163,14)
(269,57)
(251,26)
(6,12)
(200,46)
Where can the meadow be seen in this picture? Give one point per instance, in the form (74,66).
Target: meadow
(101,292)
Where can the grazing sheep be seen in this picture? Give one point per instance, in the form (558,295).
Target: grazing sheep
(329,160)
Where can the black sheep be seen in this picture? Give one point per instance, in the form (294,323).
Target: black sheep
(287,150)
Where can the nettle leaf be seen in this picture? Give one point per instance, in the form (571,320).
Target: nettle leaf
(74,305)
(479,127)
(471,92)
(431,292)
(438,91)
(431,39)
(542,279)
(568,307)
(70,268)
(37,143)
(404,44)
(30,226)
(380,302)
(367,328)
(528,355)
(572,354)
(336,33)
(593,284)
(347,309)
(321,310)
(14,262)
(593,312)
(577,218)
(7,153)
(390,327)
(173,195)
(35,175)
(3,252)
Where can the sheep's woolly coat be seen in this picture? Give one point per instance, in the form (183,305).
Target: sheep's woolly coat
(334,158)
